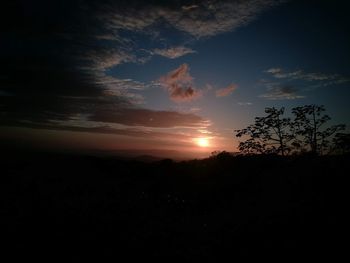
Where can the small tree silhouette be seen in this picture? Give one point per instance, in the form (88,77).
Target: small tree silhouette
(269,134)
(306,133)
(308,126)
(341,143)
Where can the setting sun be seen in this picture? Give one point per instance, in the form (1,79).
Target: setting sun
(202,142)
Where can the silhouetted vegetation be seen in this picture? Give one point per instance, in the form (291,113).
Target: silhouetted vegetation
(341,143)
(70,208)
(268,134)
(306,133)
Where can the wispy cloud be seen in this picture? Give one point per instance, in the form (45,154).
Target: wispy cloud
(179,84)
(138,132)
(149,118)
(226,91)
(126,88)
(215,17)
(206,19)
(102,110)
(322,79)
(104,59)
(74,76)
(189,7)
(281,92)
(173,52)
(244,103)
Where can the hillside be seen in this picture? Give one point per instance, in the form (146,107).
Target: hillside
(62,207)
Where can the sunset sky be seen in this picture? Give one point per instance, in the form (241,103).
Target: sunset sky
(162,76)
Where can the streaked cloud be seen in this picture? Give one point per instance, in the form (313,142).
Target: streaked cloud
(126,88)
(274,70)
(149,118)
(214,17)
(74,74)
(322,79)
(203,20)
(226,91)
(107,58)
(245,103)
(138,132)
(173,52)
(281,92)
(189,7)
(179,84)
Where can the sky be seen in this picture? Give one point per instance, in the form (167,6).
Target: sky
(165,77)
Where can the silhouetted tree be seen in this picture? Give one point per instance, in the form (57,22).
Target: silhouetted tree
(341,143)
(307,132)
(221,155)
(270,134)
(309,128)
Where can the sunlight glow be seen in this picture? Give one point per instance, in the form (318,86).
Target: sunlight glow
(202,142)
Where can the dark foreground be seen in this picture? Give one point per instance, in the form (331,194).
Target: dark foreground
(75,209)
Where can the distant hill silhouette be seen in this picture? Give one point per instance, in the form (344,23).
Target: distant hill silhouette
(14,146)
(58,207)
(156,153)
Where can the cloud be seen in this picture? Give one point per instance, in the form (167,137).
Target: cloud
(274,70)
(105,129)
(107,58)
(226,91)
(180,75)
(103,110)
(322,79)
(214,17)
(281,92)
(281,74)
(173,52)
(59,65)
(182,94)
(207,19)
(148,118)
(179,84)
(126,88)
(189,7)
(245,103)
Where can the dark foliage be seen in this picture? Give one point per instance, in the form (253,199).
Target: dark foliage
(307,132)
(341,143)
(310,133)
(268,134)
(78,208)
